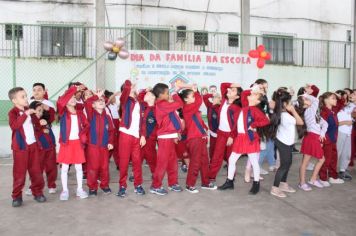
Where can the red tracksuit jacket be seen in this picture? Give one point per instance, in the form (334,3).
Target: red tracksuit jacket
(127,105)
(149,122)
(44,135)
(213,113)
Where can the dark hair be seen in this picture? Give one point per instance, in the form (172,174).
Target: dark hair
(348,89)
(74,83)
(299,108)
(39,84)
(185,93)
(281,96)
(340,92)
(45,114)
(323,97)
(12,92)
(261,81)
(212,86)
(108,94)
(159,89)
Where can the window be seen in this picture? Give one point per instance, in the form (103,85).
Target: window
(18,32)
(233,40)
(62,41)
(181,32)
(200,38)
(148,39)
(280,47)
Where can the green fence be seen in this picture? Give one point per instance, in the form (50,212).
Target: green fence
(58,54)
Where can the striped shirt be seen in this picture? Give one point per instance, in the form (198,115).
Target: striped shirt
(310,117)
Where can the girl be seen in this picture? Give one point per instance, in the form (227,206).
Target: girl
(247,140)
(282,129)
(73,131)
(329,109)
(181,145)
(313,137)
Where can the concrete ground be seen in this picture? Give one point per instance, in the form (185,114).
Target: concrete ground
(330,211)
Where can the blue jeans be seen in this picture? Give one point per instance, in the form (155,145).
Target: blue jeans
(268,153)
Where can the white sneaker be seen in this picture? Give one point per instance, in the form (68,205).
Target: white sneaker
(272,168)
(336,181)
(316,183)
(263,172)
(325,183)
(310,166)
(64,196)
(52,190)
(28,192)
(82,194)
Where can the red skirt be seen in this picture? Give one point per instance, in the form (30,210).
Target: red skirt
(311,146)
(71,153)
(243,145)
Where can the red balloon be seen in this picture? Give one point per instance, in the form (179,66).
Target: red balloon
(268,56)
(260,48)
(254,53)
(260,63)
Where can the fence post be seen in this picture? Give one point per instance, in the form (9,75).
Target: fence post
(13,55)
(327,65)
(302,52)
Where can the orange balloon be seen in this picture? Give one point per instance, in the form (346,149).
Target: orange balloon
(116,49)
(263,54)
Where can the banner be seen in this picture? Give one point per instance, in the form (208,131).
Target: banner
(147,68)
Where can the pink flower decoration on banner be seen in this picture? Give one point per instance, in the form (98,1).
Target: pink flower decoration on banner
(261,54)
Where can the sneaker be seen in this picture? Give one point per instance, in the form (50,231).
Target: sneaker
(305,187)
(295,150)
(348,175)
(286,188)
(106,190)
(122,192)
(84,177)
(277,192)
(17,202)
(310,166)
(192,189)
(28,192)
(82,194)
(325,183)
(210,186)
(316,183)
(336,181)
(131,178)
(272,169)
(184,168)
(264,172)
(175,188)
(139,190)
(229,184)
(93,193)
(64,196)
(40,199)
(344,176)
(52,190)
(159,191)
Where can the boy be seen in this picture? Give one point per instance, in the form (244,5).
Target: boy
(39,93)
(101,140)
(168,127)
(25,149)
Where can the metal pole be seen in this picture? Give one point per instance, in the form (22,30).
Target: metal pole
(13,40)
(327,66)
(353,80)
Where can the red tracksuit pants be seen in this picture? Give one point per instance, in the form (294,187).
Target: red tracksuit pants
(149,153)
(199,161)
(221,151)
(27,160)
(166,162)
(212,143)
(329,168)
(129,147)
(49,166)
(97,167)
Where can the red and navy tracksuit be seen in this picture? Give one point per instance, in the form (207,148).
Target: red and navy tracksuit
(168,123)
(181,146)
(101,134)
(221,150)
(196,142)
(213,122)
(26,157)
(129,145)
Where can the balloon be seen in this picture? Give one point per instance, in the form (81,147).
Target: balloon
(263,54)
(115,49)
(124,54)
(260,48)
(253,53)
(268,56)
(119,43)
(260,63)
(108,46)
(112,56)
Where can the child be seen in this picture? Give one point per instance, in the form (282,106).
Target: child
(47,145)
(39,93)
(247,140)
(73,135)
(130,141)
(181,145)
(329,109)
(282,129)
(168,128)
(228,114)
(101,140)
(213,119)
(196,140)
(312,142)
(24,147)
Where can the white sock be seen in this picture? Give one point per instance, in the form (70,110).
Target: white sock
(232,165)
(64,177)
(253,158)
(79,174)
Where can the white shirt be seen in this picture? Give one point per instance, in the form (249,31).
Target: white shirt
(240,124)
(345,115)
(28,130)
(134,129)
(114,111)
(224,122)
(74,128)
(286,129)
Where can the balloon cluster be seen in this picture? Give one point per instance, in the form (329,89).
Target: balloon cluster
(115,49)
(261,54)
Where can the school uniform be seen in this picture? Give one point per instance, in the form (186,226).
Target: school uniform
(181,146)
(168,128)
(25,154)
(213,122)
(228,114)
(196,142)
(101,134)
(113,108)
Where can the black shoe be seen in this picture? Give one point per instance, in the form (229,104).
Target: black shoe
(84,177)
(229,184)
(184,168)
(225,166)
(17,202)
(131,178)
(93,193)
(295,150)
(345,176)
(40,199)
(255,187)
(107,190)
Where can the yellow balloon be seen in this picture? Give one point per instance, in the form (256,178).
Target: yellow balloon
(116,49)
(263,54)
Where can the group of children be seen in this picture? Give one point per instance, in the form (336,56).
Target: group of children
(161,125)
